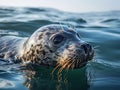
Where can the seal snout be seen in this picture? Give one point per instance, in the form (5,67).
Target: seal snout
(76,55)
(88,50)
(83,52)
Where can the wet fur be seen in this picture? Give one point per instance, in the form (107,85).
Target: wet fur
(39,50)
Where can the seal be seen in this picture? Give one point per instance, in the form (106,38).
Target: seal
(52,45)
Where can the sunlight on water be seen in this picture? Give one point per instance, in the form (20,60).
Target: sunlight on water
(6,84)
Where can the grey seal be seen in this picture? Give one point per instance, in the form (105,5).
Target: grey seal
(51,45)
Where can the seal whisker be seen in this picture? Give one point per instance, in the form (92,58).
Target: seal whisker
(96,47)
(70,63)
(60,70)
(55,68)
(73,65)
(63,66)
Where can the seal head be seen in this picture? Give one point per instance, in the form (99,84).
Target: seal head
(56,45)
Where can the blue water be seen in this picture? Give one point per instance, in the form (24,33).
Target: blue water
(101,29)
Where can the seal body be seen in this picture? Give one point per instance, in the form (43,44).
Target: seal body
(52,45)
(10,46)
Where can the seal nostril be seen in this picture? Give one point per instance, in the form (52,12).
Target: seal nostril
(90,48)
(85,47)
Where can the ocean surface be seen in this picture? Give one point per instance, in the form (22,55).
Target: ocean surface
(100,29)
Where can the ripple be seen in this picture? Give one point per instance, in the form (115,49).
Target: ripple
(5,32)
(6,84)
(80,20)
(111,20)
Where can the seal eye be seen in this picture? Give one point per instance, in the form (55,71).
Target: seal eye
(58,39)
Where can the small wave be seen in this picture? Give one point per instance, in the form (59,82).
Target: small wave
(80,20)
(111,20)
(80,26)
(104,33)
(5,32)
(6,10)
(96,24)
(41,22)
(96,27)
(36,9)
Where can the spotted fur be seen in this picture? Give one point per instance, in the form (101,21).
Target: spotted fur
(39,48)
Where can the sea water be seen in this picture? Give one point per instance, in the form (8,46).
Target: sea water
(100,29)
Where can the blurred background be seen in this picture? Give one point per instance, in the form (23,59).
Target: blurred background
(67,5)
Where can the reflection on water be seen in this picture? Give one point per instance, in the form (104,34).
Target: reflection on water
(101,29)
(43,79)
(11,79)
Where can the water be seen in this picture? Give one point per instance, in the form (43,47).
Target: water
(101,29)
